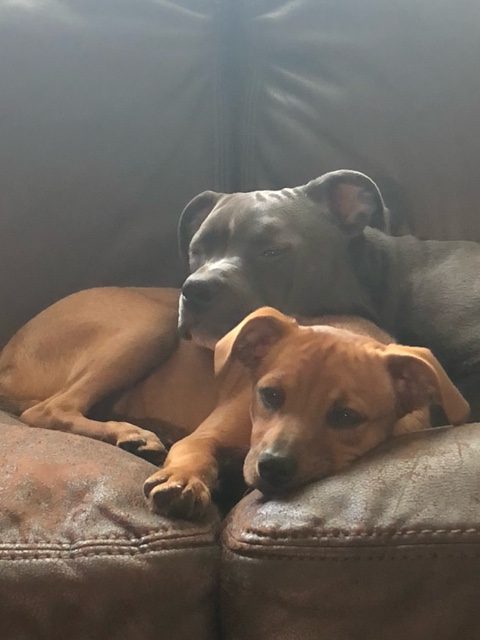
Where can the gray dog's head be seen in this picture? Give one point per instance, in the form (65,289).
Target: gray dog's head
(287,249)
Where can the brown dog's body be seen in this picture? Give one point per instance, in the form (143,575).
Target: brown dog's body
(113,352)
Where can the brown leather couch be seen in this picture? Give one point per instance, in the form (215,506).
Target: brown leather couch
(113,113)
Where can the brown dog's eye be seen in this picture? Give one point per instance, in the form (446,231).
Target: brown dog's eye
(271,397)
(344,418)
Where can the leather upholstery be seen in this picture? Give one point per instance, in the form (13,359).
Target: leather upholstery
(113,114)
(388,549)
(387,88)
(111,119)
(80,555)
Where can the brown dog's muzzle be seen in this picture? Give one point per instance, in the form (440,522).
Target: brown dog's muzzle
(276,468)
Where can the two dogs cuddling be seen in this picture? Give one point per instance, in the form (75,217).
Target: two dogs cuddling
(243,363)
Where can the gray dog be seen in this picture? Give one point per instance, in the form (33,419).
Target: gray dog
(321,248)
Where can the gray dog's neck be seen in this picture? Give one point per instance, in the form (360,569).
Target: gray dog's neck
(373,255)
(346,294)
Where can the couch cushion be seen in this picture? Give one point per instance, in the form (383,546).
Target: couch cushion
(82,557)
(388,88)
(112,118)
(388,549)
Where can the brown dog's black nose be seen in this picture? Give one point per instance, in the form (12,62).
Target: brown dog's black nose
(276,468)
(199,293)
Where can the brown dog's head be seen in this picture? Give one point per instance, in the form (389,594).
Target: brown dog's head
(324,396)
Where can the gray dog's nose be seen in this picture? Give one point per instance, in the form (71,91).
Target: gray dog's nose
(199,293)
(276,468)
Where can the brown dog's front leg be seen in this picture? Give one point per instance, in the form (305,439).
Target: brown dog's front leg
(183,486)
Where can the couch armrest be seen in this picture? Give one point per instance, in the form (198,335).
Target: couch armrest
(82,557)
(388,549)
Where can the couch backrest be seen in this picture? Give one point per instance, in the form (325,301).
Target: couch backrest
(114,113)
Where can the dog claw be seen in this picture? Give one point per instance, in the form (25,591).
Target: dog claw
(177,496)
(144,444)
(151,483)
(132,444)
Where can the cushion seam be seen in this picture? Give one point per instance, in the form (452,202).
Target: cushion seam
(32,554)
(343,534)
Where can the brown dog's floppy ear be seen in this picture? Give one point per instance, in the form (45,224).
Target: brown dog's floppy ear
(352,198)
(250,340)
(192,217)
(419,379)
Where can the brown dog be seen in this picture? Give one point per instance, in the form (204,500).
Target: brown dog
(322,395)
(325,395)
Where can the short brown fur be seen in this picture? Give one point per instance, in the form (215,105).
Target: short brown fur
(117,348)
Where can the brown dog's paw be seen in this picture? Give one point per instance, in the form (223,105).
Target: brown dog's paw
(142,443)
(176,494)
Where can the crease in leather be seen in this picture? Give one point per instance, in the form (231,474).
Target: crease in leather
(152,535)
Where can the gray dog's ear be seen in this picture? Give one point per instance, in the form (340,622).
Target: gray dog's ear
(352,198)
(192,217)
